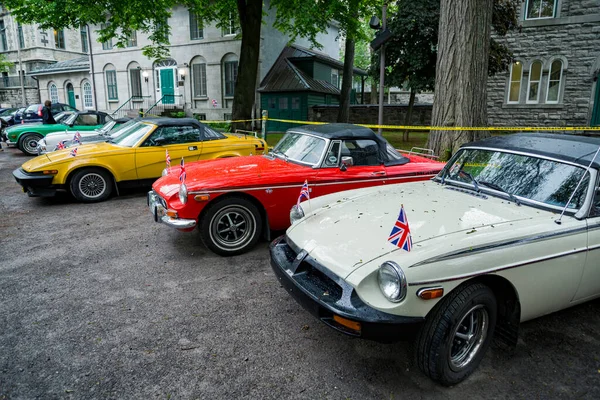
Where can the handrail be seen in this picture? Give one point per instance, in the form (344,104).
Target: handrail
(127,102)
(161,99)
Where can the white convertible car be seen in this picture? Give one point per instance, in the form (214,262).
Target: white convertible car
(508,231)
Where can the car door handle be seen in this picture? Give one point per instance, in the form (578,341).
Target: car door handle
(192,148)
(378,173)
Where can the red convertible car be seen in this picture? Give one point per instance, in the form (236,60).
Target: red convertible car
(235,201)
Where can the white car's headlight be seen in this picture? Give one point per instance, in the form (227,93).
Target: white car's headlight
(164,172)
(392,281)
(183,193)
(296,213)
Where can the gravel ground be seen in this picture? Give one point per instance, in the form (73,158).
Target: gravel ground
(98,301)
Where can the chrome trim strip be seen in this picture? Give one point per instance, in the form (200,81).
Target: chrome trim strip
(384,178)
(499,245)
(493,270)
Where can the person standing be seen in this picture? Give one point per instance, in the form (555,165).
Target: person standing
(47,117)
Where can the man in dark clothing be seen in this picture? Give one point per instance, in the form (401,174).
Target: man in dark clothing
(47,117)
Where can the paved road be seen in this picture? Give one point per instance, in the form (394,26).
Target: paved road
(98,301)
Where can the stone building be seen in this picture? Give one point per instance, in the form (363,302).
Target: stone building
(554,79)
(198,77)
(30,49)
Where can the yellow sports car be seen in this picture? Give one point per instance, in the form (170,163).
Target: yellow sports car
(136,157)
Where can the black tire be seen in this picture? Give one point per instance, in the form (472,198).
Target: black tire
(440,353)
(91,185)
(231,226)
(28,143)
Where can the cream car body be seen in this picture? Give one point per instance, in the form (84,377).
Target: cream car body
(512,257)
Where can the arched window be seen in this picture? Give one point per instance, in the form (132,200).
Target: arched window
(53,90)
(110,75)
(535,76)
(199,77)
(514,89)
(230,66)
(554,80)
(87,95)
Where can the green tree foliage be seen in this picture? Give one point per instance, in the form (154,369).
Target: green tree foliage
(5,65)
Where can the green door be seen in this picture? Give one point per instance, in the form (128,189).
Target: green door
(71,95)
(596,112)
(167,86)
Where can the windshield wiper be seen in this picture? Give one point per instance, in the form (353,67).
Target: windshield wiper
(275,152)
(473,180)
(500,189)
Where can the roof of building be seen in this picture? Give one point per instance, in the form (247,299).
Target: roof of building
(285,76)
(571,148)
(75,64)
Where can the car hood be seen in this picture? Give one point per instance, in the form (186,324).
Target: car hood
(352,231)
(228,173)
(83,151)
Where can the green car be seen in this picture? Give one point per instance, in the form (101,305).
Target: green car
(26,136)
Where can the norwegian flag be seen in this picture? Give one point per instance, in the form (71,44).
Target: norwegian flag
(77,137)
(304,193)
(168,157)
(400,235)
(61,145)
(182,174)
(74,152)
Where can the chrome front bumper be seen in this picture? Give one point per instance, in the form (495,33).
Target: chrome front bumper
(158,209)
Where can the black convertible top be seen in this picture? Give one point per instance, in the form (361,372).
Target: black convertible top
(160,121)
(572,148)
(350,131)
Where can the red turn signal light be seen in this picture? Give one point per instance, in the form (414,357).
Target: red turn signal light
(430,293)
(352,325)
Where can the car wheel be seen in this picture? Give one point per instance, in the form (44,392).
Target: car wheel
(28,143)
(456,335)
(231,226)
(91,185)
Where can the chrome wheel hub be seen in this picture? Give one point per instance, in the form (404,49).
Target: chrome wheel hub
(468,337)
(232,227)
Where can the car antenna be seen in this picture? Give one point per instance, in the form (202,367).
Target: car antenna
(558,221)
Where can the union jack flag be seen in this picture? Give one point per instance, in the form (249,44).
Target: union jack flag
(61,145)
(74,152)
(168,159)
(400,235)
(304,193)
(77,137)
(182,174)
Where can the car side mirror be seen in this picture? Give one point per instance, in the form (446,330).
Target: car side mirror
(346,162)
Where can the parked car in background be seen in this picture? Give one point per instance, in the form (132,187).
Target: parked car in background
(234,201)
(11,116)
(33,113)
(508,231)
(60,117)
(26,136)
(111,128)
(91,172)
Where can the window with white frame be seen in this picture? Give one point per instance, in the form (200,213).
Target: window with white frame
(554,80)
(538,9)
(231,28)
(111,84)
(514,88)
(199,79)
(230,72)
(59,38)
(108,45)
(53,90)
(535,77)
(196,27)
(132,39)
(87,95)
(135,77)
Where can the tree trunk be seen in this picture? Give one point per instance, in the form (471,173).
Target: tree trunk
(461,73)
(250,12)
(344,110)
(408,119)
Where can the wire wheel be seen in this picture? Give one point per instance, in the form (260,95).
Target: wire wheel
(92,185)
(29,143)
(468,337)
(232,227)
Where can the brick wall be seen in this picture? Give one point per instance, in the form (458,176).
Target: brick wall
(368,114)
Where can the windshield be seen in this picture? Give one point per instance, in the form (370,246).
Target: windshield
(5,113)
(33,107)
(305,149)
(70,120)
(61,117)
(525,176)
(119,129)
(107,126)
(129,136)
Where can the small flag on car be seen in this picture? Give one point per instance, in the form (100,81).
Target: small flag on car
(168,159)
(182,174)
(400,235)
(74,152)
(304,193)
(77,137)
(61,145)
